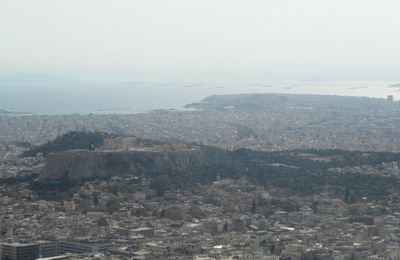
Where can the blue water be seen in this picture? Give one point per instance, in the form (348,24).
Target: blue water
(52,98)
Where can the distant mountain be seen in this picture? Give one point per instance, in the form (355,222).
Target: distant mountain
(28,77)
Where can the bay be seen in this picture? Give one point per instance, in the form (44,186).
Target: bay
(56,98)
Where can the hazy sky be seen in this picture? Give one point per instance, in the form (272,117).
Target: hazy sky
(201,39)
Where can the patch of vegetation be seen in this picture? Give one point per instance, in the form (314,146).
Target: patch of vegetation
(295,170)
(69,141)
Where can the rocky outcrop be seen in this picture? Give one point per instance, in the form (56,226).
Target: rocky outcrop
(78,165)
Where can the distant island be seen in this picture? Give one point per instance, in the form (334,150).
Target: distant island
(5,111)
(10,112)
(397,85)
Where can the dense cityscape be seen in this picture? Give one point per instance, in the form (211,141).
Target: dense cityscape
(128,212)
(199,130)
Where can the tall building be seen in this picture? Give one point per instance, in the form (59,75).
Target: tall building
(17,251)
(390,98)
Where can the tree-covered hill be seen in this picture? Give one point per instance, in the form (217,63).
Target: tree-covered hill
(69,141)
(302,172)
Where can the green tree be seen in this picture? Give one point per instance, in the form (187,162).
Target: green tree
(102,222)
(160,184)
(225,227)
(112,205)
(253,206)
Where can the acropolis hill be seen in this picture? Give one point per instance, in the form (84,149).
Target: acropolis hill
(119,156)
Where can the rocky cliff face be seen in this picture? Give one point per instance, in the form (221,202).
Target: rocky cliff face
(78,165)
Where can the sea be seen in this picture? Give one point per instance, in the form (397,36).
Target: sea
(60,98)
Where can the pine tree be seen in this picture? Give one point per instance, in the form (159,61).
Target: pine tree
(253,207)
(225,227)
